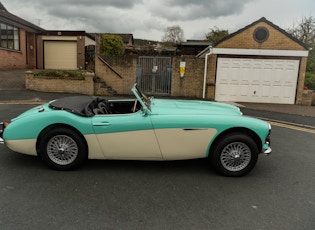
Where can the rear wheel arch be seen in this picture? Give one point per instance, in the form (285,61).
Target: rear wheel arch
(55,126)
(62,147)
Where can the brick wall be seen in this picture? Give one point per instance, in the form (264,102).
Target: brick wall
(40,52)
(245,40)
(51,84)
(190,85)
(301,80)
(124,75)
(10,59)
(81,52)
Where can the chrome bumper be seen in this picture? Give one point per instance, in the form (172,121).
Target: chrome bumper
(267,151)
(1,132)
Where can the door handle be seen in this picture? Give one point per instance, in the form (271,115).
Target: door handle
(101,124)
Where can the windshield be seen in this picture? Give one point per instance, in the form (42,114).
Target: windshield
(143,99)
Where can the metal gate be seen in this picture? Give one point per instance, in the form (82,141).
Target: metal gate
(154,74)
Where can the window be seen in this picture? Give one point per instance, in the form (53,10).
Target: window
(261,34)
(9,37)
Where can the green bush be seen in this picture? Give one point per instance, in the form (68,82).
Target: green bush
(310,80)
(75,74)
(112,45)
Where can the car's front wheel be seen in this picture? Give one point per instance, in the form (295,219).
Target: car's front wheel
(234,155)
(63,149)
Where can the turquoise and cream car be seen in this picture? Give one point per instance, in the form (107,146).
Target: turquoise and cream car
(68,131)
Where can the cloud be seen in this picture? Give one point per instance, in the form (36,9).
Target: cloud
(193,10)
(149,18)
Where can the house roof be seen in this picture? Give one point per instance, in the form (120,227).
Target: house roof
(126,38)
(196,43)
(11,19)
(263,19)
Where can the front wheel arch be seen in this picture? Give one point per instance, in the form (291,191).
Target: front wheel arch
(238,130)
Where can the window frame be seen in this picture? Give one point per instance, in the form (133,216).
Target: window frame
(9,37)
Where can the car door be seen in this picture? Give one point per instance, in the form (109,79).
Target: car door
(126,136)
(182,137)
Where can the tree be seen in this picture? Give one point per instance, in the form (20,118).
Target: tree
(216,35)
(112,45)
(305,32)
(173,35)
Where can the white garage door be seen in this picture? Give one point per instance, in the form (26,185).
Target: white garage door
(60,55)
(256,80)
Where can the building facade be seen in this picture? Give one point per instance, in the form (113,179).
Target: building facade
(17,41)
(259,63)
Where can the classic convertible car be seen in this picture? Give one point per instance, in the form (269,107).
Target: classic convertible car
(68,131)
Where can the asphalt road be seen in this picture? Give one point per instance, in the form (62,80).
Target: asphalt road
(278,194)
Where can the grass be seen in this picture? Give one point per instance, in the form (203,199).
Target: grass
(64,74)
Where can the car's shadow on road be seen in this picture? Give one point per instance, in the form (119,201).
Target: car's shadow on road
(182,167)
(196,165)
(17,160)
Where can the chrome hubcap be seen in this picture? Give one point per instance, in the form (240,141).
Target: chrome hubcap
(235,156)
(62,149)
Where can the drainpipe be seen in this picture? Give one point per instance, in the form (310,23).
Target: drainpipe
(205,73)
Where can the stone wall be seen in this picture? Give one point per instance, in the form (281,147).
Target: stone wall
(307,97)
(277,40)
(120,74)
(55,84)
(191,84)
(117,72)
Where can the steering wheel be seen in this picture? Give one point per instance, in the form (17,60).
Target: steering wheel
(134,107)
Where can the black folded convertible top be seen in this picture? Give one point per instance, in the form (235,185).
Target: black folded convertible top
(75,104)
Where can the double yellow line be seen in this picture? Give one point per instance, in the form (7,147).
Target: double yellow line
(292,126)
(289,125)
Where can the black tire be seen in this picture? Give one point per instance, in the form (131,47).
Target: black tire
(234,155)
(63,149)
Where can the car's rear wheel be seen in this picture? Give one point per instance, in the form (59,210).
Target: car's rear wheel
(234,155)
(63,149)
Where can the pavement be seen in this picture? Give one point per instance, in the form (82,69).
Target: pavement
(12,90)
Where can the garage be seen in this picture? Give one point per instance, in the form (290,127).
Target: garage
(60,55)
(257,80)
(259,63)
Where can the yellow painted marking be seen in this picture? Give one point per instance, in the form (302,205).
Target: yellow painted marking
(292,127)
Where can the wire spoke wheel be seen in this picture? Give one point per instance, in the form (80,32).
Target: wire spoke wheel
(62,149)
(235,156)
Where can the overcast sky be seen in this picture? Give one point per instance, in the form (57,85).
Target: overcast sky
(148,19)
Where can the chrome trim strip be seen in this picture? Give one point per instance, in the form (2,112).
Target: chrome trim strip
(191,129)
